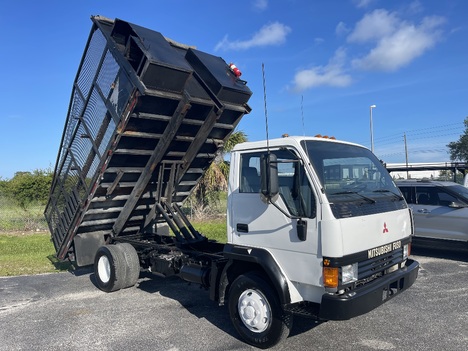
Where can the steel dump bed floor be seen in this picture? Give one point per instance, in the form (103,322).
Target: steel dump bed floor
(146,118)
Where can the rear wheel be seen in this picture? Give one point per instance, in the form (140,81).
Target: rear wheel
(256,313)
(109,268)
(132,264)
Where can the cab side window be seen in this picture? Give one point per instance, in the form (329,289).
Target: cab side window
(250,173)
(294,187)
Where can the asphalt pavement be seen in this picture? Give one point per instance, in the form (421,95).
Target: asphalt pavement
(66,311)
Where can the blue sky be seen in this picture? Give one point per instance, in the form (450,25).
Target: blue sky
(326,63)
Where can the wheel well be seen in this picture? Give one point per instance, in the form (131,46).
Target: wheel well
(235,268)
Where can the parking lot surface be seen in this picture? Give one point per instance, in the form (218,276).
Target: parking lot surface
(66,311)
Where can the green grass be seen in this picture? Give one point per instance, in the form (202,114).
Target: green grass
(214,229)
(16,218)
(25,254)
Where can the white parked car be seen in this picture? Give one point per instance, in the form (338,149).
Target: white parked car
(440,208)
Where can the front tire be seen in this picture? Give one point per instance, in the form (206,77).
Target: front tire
(256,312)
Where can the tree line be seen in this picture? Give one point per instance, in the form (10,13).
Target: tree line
(26,188)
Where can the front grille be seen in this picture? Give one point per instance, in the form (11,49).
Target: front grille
(375,267)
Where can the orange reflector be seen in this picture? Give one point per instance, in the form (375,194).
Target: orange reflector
(330,277)
(324,136)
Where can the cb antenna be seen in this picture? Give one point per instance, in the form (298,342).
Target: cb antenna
(302,114)
(265,107)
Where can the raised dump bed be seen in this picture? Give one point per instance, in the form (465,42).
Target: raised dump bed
(147,116)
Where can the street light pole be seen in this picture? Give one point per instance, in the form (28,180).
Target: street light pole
(371,129)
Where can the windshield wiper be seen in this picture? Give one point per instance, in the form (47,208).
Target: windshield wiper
(368,199)
(398,196)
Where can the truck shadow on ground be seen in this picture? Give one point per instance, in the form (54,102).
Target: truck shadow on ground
(196,301)
(455,251)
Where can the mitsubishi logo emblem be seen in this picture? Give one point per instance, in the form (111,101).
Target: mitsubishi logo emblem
(385,230)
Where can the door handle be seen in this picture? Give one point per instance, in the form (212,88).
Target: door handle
(242,227)
(423,210)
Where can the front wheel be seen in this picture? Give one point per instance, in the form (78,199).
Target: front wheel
(256,313)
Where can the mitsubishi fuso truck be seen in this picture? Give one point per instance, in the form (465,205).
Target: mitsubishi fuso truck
(315,226)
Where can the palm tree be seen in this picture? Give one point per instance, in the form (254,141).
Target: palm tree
(215,179)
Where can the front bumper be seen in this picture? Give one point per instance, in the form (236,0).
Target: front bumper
(369,296)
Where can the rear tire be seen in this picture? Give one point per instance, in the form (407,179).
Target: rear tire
(109,268)
(132,272)
(256,312)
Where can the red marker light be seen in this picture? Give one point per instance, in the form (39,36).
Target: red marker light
(235,70)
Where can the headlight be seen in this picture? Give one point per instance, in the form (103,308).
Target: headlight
(349,273)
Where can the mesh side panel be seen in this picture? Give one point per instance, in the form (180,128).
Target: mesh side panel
(83,86)
(120,93)
(60,216)
(75,112)
(107,75)
(81,146)
(94,115)
(92,170)
(78,161)
(107,137)
(91,63)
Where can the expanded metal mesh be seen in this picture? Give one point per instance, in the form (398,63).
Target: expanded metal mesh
(87,133)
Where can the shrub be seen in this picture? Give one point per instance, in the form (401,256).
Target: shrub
(29,187)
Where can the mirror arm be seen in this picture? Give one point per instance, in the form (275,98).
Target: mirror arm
(301,226)
(283,211)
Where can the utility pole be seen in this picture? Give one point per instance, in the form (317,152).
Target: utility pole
(371,129)
(406,154)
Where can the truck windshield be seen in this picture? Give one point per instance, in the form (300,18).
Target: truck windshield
(350,173)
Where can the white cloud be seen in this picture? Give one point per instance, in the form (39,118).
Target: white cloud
(415,7)
(374,26)
(261,4)
(362,3)
(341,29)
(271,34)
(319,41)
(330,75)
(397,42)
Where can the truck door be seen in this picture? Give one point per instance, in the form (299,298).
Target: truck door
(255,222)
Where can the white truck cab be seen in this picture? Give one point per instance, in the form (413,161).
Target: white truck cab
(329,218)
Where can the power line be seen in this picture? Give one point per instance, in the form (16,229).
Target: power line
(435,130)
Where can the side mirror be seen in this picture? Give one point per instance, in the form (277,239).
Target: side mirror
(269,175)
(456,204)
